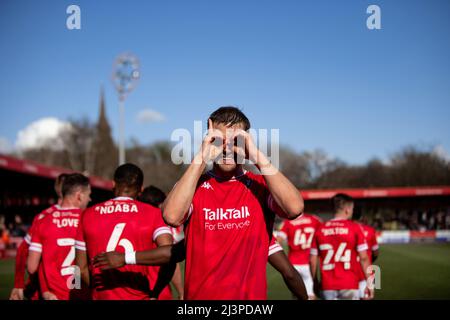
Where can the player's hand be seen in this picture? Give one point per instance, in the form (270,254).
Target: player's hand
(49,296)
(245,147)
(16,294)
(212,145)
(109,260)
(369,294)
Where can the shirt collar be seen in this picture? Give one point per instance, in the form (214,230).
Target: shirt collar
(123,198)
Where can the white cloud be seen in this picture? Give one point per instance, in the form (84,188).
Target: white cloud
(149,115)
(40,133)
(5,145)
(440,151)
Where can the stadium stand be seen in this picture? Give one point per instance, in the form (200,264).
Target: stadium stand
(27,188)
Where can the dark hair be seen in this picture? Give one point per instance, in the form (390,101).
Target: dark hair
(230,116)
(340,200)
(152,195)
(59,182)
(72,182)
(128,178)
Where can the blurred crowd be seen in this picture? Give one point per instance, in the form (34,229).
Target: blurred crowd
(13,229)
(410,220)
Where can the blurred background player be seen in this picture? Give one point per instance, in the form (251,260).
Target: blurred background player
(224,212)
(281,263)
(53,239)
(298,234)
(155,197)
(32,286)
(373,249)
(338,243)
(123,225)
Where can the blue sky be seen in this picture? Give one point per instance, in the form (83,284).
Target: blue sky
(310,68)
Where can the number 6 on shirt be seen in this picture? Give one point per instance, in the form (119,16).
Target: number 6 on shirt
(114,239)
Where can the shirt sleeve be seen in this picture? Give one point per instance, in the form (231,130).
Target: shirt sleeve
(80,242)
(160,227)
(274,246)
(30,231)
(36,238)
(361,243)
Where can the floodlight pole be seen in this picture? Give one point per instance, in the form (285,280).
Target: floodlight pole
(125,75)
(121,130)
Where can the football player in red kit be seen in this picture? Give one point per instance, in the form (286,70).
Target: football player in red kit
(126,225)
(372,252)
(228,212)
(53,239)
(298,234)
(31,289)
(338,243)
(155,197)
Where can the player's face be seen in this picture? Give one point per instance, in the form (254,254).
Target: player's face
(85,197)
(228,162)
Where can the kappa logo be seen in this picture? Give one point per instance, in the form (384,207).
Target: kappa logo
(207,185)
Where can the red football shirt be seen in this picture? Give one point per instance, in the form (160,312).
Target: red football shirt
(38,217)
(372,243)
(166,293)
(227,238)
(299,234)
(337,243)
(32,286)
(121,224)
(54,236)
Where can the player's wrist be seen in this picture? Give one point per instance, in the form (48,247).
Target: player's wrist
(264,165)
(200,160)
(130,257)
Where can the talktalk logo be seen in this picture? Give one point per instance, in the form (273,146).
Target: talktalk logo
(226,214)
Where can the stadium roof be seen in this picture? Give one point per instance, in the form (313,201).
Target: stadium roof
(33,168)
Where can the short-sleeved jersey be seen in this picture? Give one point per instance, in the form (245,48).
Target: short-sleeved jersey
(32,286)
(121,224)
(227,238)
(337,243)
(372,243)
(54,236)
(36,218)
(299,234)
(166,293)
